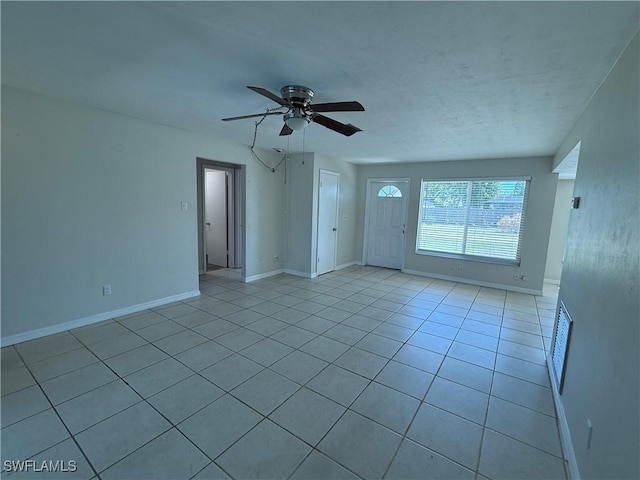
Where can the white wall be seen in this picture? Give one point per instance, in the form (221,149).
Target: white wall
(298,214)
(536,227)
(92,198)
(600,283)
(263,217)
(558,234)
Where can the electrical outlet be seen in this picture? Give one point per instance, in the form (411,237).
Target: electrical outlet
(461,266)
(106,290)
(276,258)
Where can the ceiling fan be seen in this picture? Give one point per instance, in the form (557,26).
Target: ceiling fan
(300,111)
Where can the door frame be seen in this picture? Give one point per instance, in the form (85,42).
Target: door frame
(335,240)
(367,211)
(236,199)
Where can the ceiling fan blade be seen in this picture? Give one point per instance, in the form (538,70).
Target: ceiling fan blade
(254,115)
(285,130)
(344,129)
(337,107)
(269,95)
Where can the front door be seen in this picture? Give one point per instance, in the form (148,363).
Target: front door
(387,216)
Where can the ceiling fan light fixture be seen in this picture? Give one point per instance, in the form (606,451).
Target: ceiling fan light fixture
(296,121)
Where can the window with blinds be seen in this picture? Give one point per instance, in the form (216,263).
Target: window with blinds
(479,219)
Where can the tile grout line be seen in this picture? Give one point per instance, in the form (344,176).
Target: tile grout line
(486,413)
(389,289)
(53,407)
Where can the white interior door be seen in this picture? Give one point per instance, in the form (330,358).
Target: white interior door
(327,221)
(215,215)
(387,215)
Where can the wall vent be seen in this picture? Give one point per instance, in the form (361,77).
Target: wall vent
(561,344)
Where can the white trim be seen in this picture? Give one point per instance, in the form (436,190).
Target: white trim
(260,276)
(348,264)
(450,278)
(313,275)
(81,322)
(298,273)
(552,281)
(563,426)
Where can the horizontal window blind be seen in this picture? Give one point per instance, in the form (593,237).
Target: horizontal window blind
(480,218)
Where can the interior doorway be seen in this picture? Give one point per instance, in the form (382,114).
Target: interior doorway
(216,219)
(386,213)
(220,212)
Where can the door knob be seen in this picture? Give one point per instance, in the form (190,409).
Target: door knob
(208,223)
(335,229)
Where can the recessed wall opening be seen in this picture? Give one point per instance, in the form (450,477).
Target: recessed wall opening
(566,171)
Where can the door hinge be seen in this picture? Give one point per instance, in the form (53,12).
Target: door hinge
(318,260)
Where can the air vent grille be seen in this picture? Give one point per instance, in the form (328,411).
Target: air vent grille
(561,344)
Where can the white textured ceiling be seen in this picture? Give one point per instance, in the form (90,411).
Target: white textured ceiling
(438,80)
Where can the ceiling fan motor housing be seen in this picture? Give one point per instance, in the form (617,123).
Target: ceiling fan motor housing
(297,95)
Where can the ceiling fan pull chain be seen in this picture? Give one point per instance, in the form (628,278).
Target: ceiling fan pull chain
(286,161)
(304,135)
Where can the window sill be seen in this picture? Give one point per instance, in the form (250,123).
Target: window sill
(470,258)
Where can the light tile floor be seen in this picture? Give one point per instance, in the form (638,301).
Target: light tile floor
(360,373)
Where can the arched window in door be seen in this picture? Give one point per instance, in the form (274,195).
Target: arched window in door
(390,191)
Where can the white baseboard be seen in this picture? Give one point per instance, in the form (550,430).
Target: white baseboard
(450,278)
(348,264)
(552,281)
(260,276)
(298,273)
(565,434)
(81,322)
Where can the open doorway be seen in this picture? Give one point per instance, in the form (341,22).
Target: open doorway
(218,237)
(220,207)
